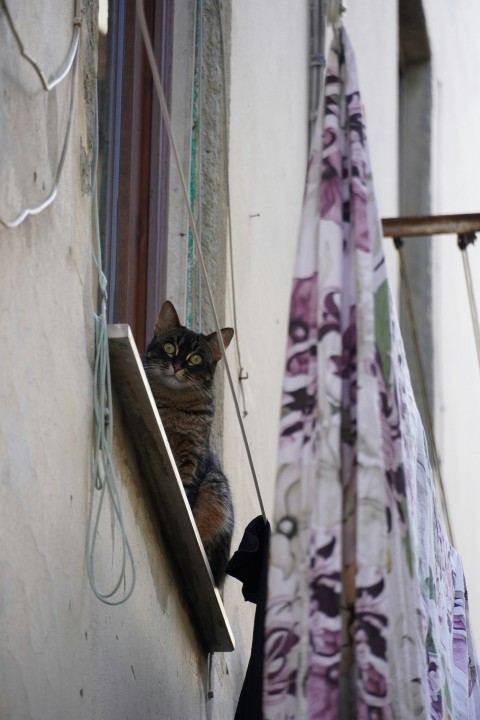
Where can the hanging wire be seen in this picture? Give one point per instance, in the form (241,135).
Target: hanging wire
(407,293)
(463,241)
(242,373)
(199,150)
(70,64)
(209,676)
(103,477)
(11,224)
(168,127)
(193,172)
(317,60)
(49,84)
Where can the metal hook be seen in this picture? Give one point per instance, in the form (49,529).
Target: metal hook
(465,239)
(335,9)
(209,671)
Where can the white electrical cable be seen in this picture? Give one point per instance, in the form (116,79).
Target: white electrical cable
(471,301)
(23,214)
(69,64)
(71,54)
(242,373)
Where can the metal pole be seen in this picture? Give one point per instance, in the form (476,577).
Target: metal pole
(317,59)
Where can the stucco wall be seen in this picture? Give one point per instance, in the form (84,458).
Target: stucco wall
(268,153)
(46,356)
(62,652)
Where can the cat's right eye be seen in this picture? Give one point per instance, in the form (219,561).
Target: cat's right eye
(170,348)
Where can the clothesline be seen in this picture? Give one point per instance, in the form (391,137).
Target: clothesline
(465,227)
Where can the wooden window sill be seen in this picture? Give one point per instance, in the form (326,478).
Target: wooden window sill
(158,466)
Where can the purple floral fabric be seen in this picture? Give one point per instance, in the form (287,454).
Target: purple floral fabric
(367,613)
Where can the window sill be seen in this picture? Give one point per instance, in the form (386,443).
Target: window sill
(158,466)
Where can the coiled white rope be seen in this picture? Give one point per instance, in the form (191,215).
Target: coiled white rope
(103,477)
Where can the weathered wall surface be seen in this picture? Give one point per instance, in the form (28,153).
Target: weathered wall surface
(62,652)
(268,154)
(46,359)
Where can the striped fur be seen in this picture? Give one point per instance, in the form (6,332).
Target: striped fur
(180,367)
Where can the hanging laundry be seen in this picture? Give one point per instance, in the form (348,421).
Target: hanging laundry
(366,610)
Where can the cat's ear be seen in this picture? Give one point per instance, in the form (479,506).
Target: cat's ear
(167,319)
(227,335)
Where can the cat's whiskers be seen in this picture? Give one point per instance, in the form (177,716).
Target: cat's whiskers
(183,382)
(199,390)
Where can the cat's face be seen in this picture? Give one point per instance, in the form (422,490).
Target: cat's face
(179,358)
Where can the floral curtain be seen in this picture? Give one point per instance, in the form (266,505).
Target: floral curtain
(366,610)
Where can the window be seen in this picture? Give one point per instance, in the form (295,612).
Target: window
(133,163)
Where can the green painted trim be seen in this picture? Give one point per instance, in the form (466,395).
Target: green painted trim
(193,169)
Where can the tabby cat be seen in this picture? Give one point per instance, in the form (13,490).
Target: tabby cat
(180,367)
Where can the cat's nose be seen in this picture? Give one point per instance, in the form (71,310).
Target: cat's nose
(177,367)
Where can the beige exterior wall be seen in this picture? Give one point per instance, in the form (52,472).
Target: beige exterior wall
(268,154)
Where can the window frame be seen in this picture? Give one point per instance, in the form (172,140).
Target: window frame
(135,193)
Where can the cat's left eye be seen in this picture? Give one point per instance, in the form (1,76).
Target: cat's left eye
(195,359)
